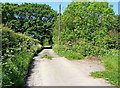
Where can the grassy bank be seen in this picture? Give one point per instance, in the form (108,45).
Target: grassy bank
(110,61)
(63,51)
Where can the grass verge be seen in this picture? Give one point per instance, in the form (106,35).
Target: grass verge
(110,61)
(67,53)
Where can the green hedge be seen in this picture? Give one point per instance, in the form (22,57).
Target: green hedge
(17,52)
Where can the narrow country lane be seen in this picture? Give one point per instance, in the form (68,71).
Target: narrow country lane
(63,72)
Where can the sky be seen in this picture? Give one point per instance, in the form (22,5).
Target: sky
(55,3)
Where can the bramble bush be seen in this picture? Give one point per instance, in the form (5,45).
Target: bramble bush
(17,52)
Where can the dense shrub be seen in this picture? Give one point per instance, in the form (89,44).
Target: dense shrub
(17,52)
(88,28)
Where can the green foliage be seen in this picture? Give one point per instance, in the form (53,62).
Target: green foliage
(17,52)
(110,61)
(35,20)
(89,29)
(66,52)
(48,57)
(46,42)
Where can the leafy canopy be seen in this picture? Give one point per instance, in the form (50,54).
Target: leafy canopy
(32,19)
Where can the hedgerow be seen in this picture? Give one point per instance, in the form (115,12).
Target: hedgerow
(17,52)
(88,28)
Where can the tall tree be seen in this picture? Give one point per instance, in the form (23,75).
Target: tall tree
(31,19)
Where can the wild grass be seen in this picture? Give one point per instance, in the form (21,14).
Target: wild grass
(110,61)
(63,51)
(47,56)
